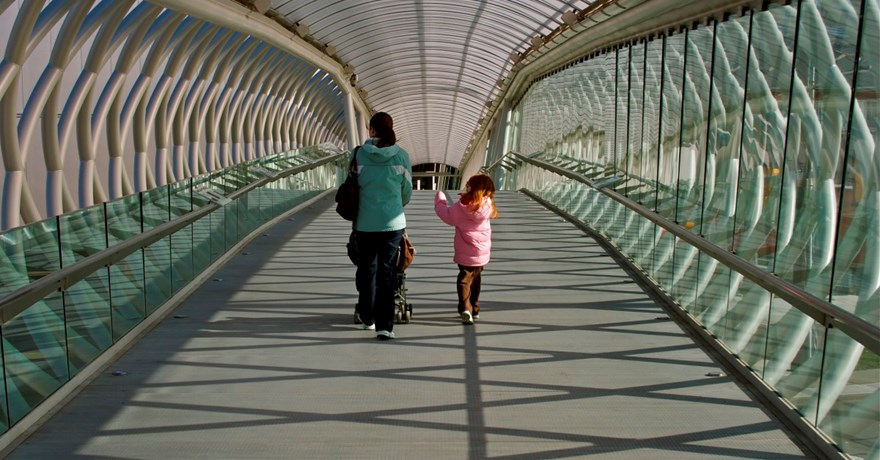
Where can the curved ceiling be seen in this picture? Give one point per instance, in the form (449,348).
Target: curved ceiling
(434,65)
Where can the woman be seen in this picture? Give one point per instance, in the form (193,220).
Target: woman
(385,180)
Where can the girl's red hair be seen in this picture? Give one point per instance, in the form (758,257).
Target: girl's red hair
(480,187)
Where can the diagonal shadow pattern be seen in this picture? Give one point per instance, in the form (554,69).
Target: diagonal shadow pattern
(569,360)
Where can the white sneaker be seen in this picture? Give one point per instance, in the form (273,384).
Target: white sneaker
(384,335)
(367,327)
(466,318)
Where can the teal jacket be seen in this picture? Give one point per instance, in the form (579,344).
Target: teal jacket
(385,179)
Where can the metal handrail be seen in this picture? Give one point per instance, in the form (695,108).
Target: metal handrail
(822,311)
(21,299)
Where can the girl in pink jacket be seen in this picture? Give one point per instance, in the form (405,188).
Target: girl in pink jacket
(473,239)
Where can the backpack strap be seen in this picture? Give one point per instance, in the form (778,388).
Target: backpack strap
(353,165)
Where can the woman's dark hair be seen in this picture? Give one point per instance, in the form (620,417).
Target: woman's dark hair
(384,127)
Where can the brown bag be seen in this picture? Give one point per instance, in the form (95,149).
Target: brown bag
(406,254)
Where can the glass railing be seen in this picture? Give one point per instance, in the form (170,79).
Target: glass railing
(818,357)
(72,286)
(734,160)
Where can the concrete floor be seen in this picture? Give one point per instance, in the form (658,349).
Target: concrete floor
(570,359)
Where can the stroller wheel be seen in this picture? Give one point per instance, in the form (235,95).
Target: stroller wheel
(398,318)
(407,316)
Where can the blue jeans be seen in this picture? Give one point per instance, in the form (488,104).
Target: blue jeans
(376,277)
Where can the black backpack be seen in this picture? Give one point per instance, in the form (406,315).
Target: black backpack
(348,193)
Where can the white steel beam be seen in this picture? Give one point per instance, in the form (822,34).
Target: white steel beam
(237,17)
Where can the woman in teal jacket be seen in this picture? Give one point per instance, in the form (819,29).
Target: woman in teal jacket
(385,180)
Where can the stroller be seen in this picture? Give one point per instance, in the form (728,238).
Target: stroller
(405,253)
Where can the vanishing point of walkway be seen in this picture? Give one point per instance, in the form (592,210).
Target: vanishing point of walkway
(570,359)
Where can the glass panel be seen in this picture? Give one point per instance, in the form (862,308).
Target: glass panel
(848,409)
(662,270)
(650,157)
(33,249)
(626,237)
(127,284)
(849,405)
(155,206)
(621,122)
(13,269)
(181,258)
(714,288)
(694,125)
(128,293)
(685,275)
(642,252)
(617,219)
(123,219)
(722,163)
(181,198)
(689,277)
(667,177)
(4,414)
(856,267)
(217,220)
(608,63)
(201,243)
(255,213)
(82,234)
(86,303)
(87,310)
(264,195)
(816,137)
(34,355)
(725,128)
(632,164)
(795,345)
(157,273)
(181,262)
(768,91)
(232,224)
(744,329)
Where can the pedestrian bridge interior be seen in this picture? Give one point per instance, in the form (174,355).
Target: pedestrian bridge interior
(686,262)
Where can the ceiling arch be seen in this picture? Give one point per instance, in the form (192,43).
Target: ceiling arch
(434,65)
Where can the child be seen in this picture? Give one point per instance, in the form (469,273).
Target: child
(473,238)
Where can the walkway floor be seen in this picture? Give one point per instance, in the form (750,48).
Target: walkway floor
(570,359)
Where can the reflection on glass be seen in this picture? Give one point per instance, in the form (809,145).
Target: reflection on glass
(621,123)
(56,337)
(739,133)
(795,345)
(849,408)
(181,267)
(157,268)
(156,206)
(34,355)
(635,119)
(744,326)
(725,129)
(87,320)
(123,219)
(128,293)
(82,234)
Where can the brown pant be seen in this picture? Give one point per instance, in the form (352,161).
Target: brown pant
(468,287)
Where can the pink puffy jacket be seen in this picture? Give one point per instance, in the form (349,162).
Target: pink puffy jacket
(473,234)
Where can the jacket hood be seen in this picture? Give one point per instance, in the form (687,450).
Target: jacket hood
(483,212)
(379,154)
